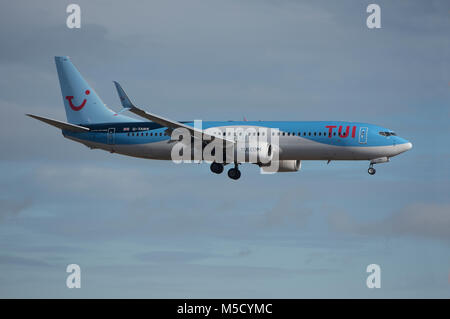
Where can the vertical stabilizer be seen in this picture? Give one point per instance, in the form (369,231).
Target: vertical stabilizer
(82,104)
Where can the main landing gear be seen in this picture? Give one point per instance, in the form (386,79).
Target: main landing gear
(216,168)
(233,173)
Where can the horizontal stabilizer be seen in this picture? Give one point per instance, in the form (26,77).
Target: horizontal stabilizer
(61,125)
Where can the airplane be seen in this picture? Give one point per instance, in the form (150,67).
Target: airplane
(92,123)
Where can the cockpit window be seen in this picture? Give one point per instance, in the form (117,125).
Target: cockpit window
(387,133)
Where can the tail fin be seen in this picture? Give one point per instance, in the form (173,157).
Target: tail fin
(83,105)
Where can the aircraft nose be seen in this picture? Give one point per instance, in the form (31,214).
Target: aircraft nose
(408,146)
(403,145)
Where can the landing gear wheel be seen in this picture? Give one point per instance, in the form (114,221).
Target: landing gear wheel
(371,171)
(234,173)
(216,168)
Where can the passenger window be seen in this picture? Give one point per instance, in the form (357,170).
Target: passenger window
(309,133)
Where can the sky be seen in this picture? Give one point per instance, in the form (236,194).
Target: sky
(153,229)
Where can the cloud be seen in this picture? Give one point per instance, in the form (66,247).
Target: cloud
(430,220)
(22,261)
(177,257)
(10,208)
(288,211)
(244,252)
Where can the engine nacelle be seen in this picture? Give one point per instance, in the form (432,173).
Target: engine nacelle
(282,166)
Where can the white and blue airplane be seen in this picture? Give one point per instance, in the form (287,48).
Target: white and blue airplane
(92,123)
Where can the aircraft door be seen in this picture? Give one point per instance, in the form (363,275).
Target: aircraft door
(363,135)
(110,139)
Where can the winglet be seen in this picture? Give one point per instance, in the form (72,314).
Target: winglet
(126,102)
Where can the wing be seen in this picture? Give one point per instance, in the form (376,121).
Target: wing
(61,125)
(128,105)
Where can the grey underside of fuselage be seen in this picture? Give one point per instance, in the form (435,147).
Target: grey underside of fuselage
(291,148)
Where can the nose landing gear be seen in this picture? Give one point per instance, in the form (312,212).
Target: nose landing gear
(379,160)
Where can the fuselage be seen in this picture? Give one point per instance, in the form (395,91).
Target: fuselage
(298,140)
